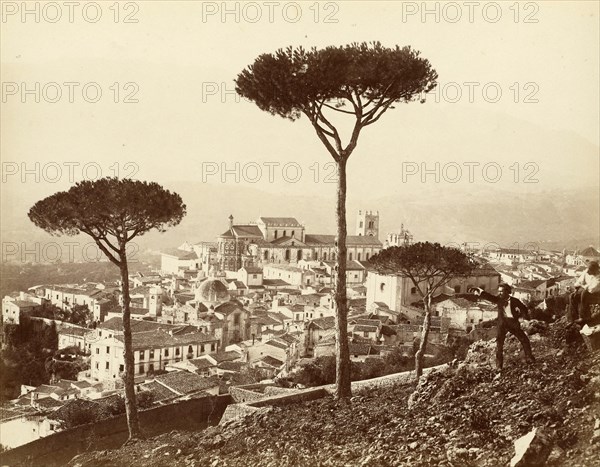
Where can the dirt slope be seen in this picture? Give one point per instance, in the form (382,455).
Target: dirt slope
(464,416)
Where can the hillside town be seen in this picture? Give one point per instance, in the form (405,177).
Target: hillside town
(252,307)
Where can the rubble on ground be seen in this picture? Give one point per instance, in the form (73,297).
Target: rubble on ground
(470,415)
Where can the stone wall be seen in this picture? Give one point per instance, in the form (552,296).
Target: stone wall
(59,448)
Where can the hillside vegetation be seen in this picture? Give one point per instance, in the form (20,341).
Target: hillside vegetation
(468,415)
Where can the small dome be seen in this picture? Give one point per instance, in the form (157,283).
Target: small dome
(212,290)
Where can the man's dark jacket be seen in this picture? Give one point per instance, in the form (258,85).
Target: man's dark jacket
(517,307)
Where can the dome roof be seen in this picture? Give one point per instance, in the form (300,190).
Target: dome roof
(212,290)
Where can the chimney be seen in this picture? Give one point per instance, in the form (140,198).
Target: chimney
(230,220)
(21,295)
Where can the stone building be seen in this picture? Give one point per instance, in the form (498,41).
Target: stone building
(283,240)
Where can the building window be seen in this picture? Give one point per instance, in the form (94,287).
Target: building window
(213,347)
(382,286)
(325,256)
(266,255)
(151,368)
(152,353)
(236,319)
(284,233)
(107,365)
(350,256)
(201,348)
(141,354)
(97,366)
(166,352)
(177,351)
(457,289)
(276,234)
(97,350)
(141,369)
(121,368)
(413,290)
(358,257)
(190,349)
(254,275)
(366,334)
(107,349)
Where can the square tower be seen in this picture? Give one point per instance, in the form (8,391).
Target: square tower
(367,223)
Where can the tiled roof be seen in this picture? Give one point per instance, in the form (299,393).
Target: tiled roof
(271,361)
(49,403)
(534,284)
(180,254)
(280,221)
(8,412)
(161,339)
(279,317)
(231,366)
(229,307)
(286,267)
(276,343)
(201,363)
(274,282)
(227,356)
(287,338)
(252,269)
(387,330)
(74,404)
(328,322)
(134,310)
(137,326)
(364,328)
(280,240)
(183,382)
(74,331)
(359,349)
(368,322)
(81,384)
(25,304)
(307,299)
(354,266)
(159,391)
(247,231)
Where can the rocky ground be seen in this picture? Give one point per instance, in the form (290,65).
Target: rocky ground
(469,415)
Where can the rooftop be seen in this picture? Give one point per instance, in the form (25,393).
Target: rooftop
(183,382)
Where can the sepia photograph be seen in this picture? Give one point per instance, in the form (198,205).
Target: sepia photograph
(300,233)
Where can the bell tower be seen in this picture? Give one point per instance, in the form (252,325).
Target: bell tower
(367,223)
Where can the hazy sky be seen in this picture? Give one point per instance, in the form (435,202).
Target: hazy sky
(176,64)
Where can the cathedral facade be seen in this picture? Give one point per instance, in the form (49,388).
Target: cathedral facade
(284,240)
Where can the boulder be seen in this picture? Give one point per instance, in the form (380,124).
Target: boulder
(532,449)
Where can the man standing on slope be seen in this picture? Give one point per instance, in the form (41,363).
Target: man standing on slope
(509,311)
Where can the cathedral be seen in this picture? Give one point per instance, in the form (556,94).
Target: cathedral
(283,240)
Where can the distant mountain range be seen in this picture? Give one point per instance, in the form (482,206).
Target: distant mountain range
(560,210)
(557,219)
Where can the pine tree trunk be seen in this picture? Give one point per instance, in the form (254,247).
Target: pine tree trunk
(130,400)
(342,374)
(424,335)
